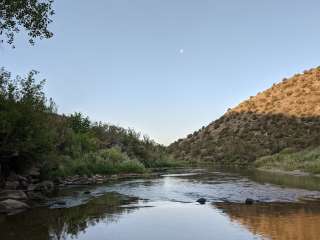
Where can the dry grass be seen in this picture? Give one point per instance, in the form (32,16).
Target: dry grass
(288,97)
(285,115)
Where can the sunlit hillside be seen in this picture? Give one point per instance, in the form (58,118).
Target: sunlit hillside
(284,116)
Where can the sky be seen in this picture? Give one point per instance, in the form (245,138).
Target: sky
(167,67)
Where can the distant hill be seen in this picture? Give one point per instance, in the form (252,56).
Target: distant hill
(287,115)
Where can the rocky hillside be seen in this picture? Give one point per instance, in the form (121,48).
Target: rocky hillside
(287,115)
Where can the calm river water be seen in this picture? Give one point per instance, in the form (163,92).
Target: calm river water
(165,208)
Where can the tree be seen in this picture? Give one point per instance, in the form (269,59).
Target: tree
(79,123)
(26,132)
(33,16)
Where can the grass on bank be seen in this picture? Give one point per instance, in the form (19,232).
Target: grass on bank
(104,162)
(307,160)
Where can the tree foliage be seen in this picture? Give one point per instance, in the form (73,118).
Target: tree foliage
(25,131)
(32,133)
(33,16)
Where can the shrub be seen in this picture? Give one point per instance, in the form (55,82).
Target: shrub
(131,166)
(306,160)
(32,133)
(97,163)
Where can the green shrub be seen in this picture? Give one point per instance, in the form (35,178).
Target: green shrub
(113,155)
(306,160)
(32,133)
(131,166)
(107,161)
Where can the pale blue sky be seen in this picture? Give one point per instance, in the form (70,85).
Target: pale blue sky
(121,61)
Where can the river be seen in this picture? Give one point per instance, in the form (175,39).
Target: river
(165,207)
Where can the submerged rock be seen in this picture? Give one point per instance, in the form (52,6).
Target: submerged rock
(61,202)
(249,201)
(202,200)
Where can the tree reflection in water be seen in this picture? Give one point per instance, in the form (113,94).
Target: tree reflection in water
(58,224)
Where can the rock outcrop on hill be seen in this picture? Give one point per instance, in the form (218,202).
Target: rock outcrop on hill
(287,115)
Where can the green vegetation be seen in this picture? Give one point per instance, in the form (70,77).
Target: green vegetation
(307,160)
(32,133)
(32,16)
(287,115)
(106,161)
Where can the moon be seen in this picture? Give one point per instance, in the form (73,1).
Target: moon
(181,51)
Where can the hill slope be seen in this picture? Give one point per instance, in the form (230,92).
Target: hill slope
(287,115)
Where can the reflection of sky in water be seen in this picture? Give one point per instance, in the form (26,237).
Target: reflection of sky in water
(215,187)
(171,211)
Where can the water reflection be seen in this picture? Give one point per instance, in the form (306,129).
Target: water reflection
(175,215)
(169,220)
(278,221)
(286,180)
(58,224)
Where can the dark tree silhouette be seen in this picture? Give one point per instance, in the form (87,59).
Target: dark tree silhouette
(32,16)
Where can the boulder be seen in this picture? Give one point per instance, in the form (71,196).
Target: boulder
(11,185)
(202,200)
(249,201)
(13,177)
(22,178)
(31,187)
(12,206)
(46,187)
(35,180)
(61,202)
(37,196)
(23,185)
(34,172)
(58,180)
(13,194)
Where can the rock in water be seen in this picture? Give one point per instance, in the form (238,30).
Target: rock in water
(11,206)
(202,200)
(61,202)
(249,201)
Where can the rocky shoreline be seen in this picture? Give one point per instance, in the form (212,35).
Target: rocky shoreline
(22,192)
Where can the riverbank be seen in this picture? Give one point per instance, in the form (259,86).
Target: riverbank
(292,162)
(22,192)
(64,145)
